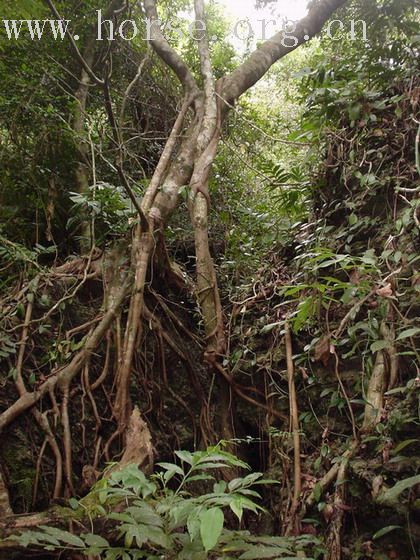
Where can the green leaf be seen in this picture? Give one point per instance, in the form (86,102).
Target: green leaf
(354,111)
(257,552)
(211,527)
(236,506)
(317,492)
(248,480)
(206,466)
(379,345)
(268,328)
(63,536)
(305,312)
(369,257)
(391,497)
(403,445)
(95,540)
(398,257)
(200,477)
(220,487)
(171,467)
(145,514)
(193,525)
(353,219)
(396,391)
(409,333)
(73,503)
(185,456)
(157,536)
(385,531)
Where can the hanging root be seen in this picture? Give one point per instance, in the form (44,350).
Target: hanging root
(335,512)
(388,332)
(65,421)
(294,523)
(50,438)
(143,247)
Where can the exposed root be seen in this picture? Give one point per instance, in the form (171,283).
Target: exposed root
(325,482)
(88,389)
(105,369)
(139,449)
(205,426)
(50,438)
(173,318)
(37,471)
(122,407)
(388,332)
(346,397)
(65,374)
(240,391)
(173,393)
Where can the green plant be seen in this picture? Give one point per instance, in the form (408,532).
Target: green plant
(107,205)
(288,188)
(148,517)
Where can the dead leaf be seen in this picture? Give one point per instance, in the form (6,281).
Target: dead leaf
(322,350)
(309,530)
(304,373)
(385,292)
(377,484)
(328,512)
(355,276)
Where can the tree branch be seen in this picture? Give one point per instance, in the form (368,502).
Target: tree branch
(65,374)
(204,51)
(261,60)
(111,9)
(165,51)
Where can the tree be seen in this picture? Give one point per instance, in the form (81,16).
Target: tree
(192,166)
(188,163)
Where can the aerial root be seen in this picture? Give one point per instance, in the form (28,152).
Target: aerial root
(293,526)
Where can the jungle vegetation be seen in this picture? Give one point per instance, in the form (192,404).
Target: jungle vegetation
(209,284)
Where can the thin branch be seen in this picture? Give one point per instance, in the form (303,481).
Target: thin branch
(76,51)
(128,91)
(119,163)
(236,110)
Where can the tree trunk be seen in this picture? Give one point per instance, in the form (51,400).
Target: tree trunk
(82,171)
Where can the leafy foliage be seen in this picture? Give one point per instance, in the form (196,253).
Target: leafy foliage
(163,515)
